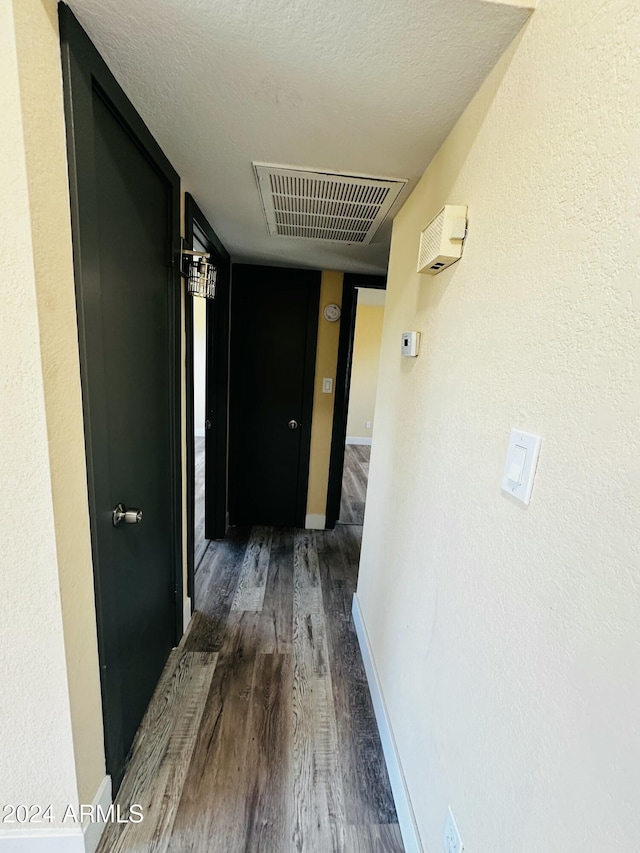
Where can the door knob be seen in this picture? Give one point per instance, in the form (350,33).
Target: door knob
(122,515)
(293,424)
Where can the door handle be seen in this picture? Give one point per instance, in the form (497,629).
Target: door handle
(122,515)
(293,424)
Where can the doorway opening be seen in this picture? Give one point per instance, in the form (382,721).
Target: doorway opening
(361,403)
(348,466)
(207,398)
(199,321)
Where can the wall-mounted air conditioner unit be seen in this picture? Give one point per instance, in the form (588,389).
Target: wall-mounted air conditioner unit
(442,239)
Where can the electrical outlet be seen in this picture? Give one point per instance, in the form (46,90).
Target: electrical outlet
(452,840)
(368,424)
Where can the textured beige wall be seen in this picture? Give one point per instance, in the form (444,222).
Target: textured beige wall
(507,638)
(45,152)
(36,756)
(364,370)
(322,421)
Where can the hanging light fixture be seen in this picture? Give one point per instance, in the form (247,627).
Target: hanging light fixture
(200,274)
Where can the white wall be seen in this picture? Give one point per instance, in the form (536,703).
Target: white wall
(364,365)
(199,362)
(507,639)
(370,296)
(37,756)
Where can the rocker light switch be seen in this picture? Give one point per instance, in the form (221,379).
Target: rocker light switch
(516,468)
(520,465)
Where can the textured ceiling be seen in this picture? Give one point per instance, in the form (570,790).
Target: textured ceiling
(364,86)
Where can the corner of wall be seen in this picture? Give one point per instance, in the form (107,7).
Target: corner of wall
(322,418)
(40,76)
(36,729)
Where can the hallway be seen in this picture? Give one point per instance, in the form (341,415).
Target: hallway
(261,735)
(481,158)
(354,483)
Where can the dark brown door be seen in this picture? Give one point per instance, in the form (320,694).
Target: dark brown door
(274,325)
(124,199)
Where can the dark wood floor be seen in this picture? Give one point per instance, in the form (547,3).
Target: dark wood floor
(200,543)
(261,735)
(354,483)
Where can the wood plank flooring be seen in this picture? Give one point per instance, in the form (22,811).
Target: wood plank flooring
(261,736)
(200,543)
(161,755)
(354,483)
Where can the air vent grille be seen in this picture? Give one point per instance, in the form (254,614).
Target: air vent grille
(441,241)
(430,241)
(324,206)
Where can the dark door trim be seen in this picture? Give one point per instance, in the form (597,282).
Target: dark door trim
(85,72)
(343,382)
(217,390)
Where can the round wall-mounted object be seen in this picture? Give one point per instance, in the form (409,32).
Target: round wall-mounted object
(332,312)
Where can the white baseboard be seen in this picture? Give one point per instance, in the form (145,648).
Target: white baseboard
(70,840)
(186,614)
(93,830)
(315,521)
(404,809)
(355,439)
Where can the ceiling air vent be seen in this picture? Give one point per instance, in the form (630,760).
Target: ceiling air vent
(324,205)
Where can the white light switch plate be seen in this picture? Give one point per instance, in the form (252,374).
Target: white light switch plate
(327,385)
(520,465)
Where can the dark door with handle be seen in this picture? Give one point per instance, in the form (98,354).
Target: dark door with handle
(125,208)
(274,327)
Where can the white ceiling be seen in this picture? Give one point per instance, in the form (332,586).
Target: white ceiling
(357,86)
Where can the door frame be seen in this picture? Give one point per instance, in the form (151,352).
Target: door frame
(84,71)
(343,385)
(217,388)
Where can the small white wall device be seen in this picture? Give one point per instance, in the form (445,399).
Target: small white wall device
(520,465)
(442,239)
(332,312)
(410,344)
